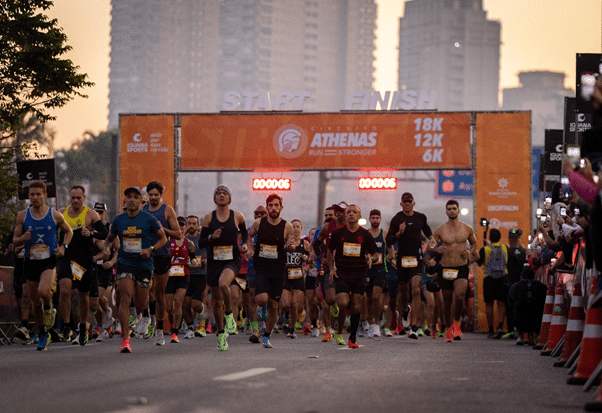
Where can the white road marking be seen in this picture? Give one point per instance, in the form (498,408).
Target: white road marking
(243,374)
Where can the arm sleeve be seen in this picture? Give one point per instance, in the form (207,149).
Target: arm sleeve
(204,238)
(243,232)
(100,230)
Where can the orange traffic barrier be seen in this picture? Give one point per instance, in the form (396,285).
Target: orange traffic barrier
(591,347)
(574,327)
(558,323)
(544,330)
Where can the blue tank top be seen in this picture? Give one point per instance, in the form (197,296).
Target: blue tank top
(381,248)
(43,236)
(159,214)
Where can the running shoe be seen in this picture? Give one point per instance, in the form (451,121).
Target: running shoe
(55,336)
(427,331)
(103,335)
(420,332)
(315,332)
(22,334)
(293,334)
(254,337)
(405,319)
(133,321)
(174,338)
(413,335)
(339,339)
(159,338)
(125,346)
(43,341)
(334,310)
(117,328)
(360,332)
(222,344)
(265,341)
(498,334)
(298,326)
(449,335)
(376,330)
(387,332)
(365,328)
(399,330)
(306,330)
(458,331)
(34,339)
(48,317)
(200,332)
(509,335)
(352,344)
(143,327)
(189,334)
(327,337)
(230,324)
(83,334)
(209,329)
(150,331)
(108,318)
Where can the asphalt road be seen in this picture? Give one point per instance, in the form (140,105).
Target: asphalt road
(302,375)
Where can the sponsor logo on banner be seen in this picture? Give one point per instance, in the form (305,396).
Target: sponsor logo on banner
(496,223)
(502,190)
(511,208)
(138,146)
(290,141)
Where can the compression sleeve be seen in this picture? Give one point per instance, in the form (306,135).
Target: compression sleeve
(204,238)
(100,230)
(244,234)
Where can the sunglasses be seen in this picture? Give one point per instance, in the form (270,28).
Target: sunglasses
(260,213)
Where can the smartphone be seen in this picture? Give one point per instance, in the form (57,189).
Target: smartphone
(573,153)
(563,212)
(577,212)
(543,219)
(548,200)
(539,211)
(588,82)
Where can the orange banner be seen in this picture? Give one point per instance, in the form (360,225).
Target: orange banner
(147,152)
(326,141)
(502,180)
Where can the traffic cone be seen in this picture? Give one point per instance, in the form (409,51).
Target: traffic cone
(574,327)
(544,330)
(558,324)
(591,347)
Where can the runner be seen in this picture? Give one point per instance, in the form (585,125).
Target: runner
(406,228)
(252,308)
(220,233)
(377,274)
(139,235)
(181,251)
(166,216)
(293,294)
(273,235)
(195,293)
(351,251)
(454,271)
(77,264)
(36,228)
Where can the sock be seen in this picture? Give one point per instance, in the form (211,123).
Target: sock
(159,324)
(266,334)
(152,306)
(355,322)
(145,312)
(221,332)
(314,322)
(174,331)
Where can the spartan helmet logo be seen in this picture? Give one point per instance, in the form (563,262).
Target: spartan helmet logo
(290,141)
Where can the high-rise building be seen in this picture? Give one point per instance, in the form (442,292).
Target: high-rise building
(449,46)
(181,56)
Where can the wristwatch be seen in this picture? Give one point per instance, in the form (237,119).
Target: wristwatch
(152,247)
(66,246)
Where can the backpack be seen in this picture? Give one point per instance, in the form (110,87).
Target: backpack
(496,265)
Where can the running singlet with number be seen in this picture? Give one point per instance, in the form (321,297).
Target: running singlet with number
(201,253)
(224,248)
(269,249)
(135,234)
(159,215)
(351,248)
(80,248)
(381,249)
(179,258)
(294,262)
(43,236)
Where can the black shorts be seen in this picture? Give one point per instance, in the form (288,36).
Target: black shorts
(404,275)
(196,287)
(447,283)
(377,279)
(142,278)
(18,278)
(34,268)
(87,284)
(251,277)
(176,283)
(272,286)
(105,277)
(311,282)
(349,281)
(393,287)
(240,280)
(162,264)
(296,284)
(325,283)
(495,289)
(215,269)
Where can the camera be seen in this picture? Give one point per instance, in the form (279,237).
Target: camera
(484,222)
(563,212)
(516,232)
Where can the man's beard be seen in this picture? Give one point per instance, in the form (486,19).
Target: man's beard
(329,219)
(374,224)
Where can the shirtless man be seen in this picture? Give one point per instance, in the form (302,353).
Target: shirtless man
(453,273)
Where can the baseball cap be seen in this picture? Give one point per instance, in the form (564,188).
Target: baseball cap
(407,197)
(341,206)
(133,189)
(181,220)
(100,206)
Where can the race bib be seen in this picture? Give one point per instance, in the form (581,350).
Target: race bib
(77,271)
(312,272)
(268,251)
(133,245)
(196,263)
(223,253)
(177,271)
(351,249)
(409,262)
(39,252)
(294,273)
(241,283)
(449,274)
(380,259)
(99,262)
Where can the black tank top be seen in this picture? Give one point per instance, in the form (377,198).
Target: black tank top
(269,250)
(228,237)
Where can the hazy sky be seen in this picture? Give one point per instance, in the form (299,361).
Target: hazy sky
(536,35)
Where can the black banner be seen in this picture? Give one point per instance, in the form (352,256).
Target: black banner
(575,123)
(552,166)
(41,169)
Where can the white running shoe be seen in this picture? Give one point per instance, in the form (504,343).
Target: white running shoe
(142,327)
(108,318)
(189,334)
(159,338)
(102,336)
(315,332)
(376,330)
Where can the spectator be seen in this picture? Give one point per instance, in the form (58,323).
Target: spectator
(527,297)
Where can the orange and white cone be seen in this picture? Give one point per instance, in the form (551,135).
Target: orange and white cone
(591,347)
(546,320)
(558,324)
(574,327)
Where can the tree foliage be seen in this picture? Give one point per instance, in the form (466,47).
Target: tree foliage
(33,75)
